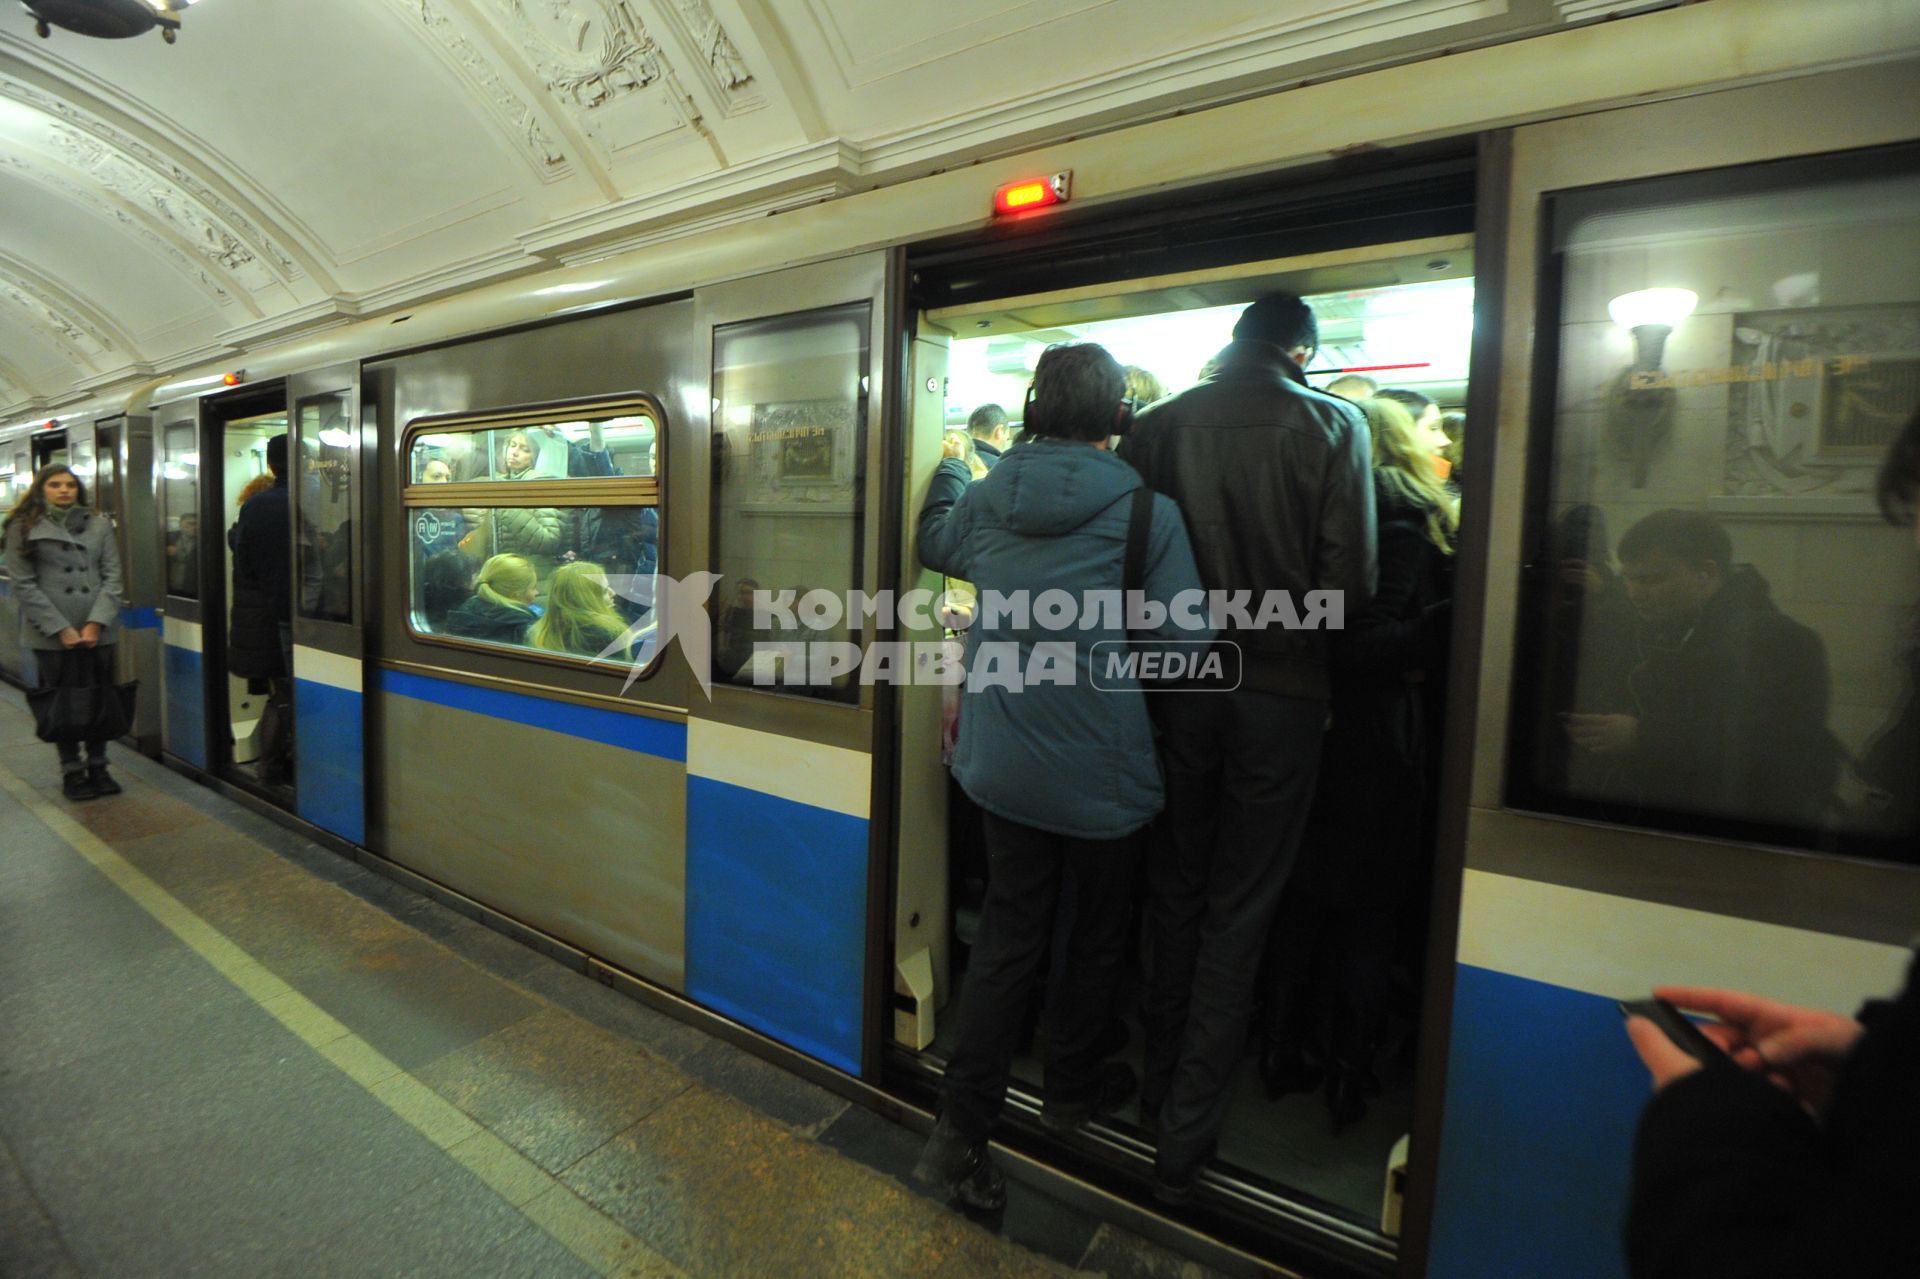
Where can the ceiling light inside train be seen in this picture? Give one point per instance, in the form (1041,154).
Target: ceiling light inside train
(107,19)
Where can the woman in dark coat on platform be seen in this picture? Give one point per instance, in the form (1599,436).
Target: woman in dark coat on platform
(1367,836)
(66,574)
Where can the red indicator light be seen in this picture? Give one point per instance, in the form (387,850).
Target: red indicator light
(1033,193)
(232,379)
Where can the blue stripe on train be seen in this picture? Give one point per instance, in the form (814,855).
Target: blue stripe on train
(664,738)
(776,916)
(330,758)
(1543,1092)
(140,619)
(186,734)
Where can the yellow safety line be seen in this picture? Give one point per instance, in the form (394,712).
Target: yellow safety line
(543,1199)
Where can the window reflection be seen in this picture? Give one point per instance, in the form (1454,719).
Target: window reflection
(1720,629)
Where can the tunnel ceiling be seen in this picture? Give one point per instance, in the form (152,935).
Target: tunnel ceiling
(289,165)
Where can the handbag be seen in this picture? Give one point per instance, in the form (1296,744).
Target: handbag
(84,705)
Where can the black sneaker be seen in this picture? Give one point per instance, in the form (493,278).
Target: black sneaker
(77,786)
(103,783)
(959,1170)
(1117,1084)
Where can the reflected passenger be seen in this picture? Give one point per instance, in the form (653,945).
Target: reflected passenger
(580,617)
(500,610)
(1726,712)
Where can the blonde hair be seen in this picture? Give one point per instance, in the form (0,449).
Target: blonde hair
(533,447)
(578,618)
(1143,388)
(506,579)
(1403,462)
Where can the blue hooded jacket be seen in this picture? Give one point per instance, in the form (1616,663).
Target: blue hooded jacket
(1063,757)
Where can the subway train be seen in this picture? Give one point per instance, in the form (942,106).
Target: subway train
(1680,273)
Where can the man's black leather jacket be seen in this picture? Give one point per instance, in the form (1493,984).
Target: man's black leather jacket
(1276,483)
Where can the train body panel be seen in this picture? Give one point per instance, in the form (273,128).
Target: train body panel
(781,858)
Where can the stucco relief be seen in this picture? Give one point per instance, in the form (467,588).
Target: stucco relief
(587,52)
(144,189)
(95,199)
(525,127)
(210,205)
(69,330)
(729,69)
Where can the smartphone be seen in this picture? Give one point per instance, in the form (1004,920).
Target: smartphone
(1676,1025)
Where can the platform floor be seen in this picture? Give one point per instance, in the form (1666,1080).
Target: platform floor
(227,1051)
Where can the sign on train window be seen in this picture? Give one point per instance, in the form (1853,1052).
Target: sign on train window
(538,531)
(1718,629)
(789,485)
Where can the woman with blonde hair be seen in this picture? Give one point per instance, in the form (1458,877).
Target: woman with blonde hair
(1368,839)
(501,608)
(537,533)
(580,617)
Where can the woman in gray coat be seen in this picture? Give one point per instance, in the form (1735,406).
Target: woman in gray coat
(66,575)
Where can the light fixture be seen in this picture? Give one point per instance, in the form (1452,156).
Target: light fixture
(107,19)
(335,437)
(1033,193)
(1640,410)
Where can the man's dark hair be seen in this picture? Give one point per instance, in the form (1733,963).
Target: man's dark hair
(985,420)
(1693,537)
(1899,485)
(1279,318)
(277,456)
(1414,402)
(1076,390)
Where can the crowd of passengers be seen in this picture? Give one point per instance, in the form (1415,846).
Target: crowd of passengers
(538,576)
(1280,829)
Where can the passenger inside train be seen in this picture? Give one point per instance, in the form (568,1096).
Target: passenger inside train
(1333,1012)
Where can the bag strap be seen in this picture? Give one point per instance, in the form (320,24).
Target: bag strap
(1133,569)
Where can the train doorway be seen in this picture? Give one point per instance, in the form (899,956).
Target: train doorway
(1398,316)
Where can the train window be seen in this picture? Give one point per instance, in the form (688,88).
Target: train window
(1718,629)
(789,479)
(180,508)
(323,549)
(561,563)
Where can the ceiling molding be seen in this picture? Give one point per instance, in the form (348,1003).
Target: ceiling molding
(20,384)
(815,171)
(783,68)
(1585,10)
(219,286)
(525,123)
(93,320)
(701,43)
(482,268)
(57,316)
(200,189)
(327,313)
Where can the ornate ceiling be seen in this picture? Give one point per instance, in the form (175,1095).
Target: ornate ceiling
(288,165)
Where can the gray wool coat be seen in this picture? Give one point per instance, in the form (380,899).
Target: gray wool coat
(65,577)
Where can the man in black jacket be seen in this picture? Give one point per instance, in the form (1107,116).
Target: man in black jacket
(262,542)
(1275,481)
(1726,712)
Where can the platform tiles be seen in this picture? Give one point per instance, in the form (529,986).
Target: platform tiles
(229,1052)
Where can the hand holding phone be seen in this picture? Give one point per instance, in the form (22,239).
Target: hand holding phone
(1676,1026)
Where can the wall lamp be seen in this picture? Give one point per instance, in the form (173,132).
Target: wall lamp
(1640,412)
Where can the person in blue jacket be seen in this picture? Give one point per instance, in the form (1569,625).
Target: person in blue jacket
(1064,770)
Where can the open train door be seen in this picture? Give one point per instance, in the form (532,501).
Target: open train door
(329,598)
(176,521)
(786,859)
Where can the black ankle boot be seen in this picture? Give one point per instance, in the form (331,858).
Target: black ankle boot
(1348,1088)
(960,1171)
(77,786)
(1285,1069)
(103,783)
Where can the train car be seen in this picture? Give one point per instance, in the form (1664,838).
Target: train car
(759,406)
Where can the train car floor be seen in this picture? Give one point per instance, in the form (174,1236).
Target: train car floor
(226,1051)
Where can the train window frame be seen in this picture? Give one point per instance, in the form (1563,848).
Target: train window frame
(1528,695)
(582,492)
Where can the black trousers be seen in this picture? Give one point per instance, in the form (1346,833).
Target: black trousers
(56,664)
(1027,867)
(1240,775)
